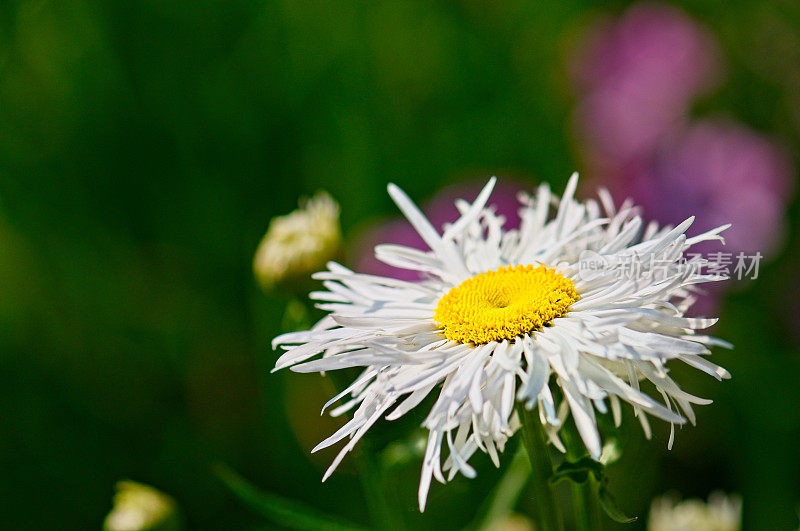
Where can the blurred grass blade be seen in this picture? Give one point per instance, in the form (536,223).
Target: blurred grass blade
(282,511)
(505,495)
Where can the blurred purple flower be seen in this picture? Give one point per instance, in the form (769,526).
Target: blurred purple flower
(636,76)
(725,173)
(439,210)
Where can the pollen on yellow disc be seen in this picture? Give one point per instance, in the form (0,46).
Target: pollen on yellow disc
(504,304)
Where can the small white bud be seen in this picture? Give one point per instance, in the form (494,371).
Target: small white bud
(299,243)
(139,507)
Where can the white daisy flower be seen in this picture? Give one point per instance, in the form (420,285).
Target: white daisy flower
(499,313)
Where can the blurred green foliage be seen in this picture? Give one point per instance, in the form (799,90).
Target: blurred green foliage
(145,144)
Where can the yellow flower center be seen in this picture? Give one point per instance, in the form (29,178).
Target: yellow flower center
(504,304)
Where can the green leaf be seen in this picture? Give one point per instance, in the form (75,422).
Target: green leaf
(578,471)
(285,512)
(583,470)
(609,504)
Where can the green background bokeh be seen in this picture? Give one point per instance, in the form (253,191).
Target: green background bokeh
(144,146)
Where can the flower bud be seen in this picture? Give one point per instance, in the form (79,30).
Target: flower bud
(299,243)
(139,507)
(721,513)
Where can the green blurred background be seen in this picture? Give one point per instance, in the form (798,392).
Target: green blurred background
(144,146)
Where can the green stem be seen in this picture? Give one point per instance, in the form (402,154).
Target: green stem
(587,511)
(584,495)
(533,436)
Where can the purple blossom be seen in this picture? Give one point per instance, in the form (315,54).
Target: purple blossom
(724,172)
(636,76)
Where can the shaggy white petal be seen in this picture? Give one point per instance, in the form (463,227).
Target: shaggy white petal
(621,331)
